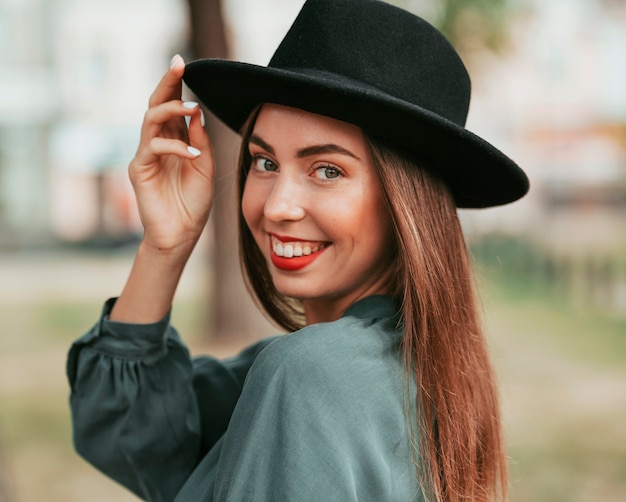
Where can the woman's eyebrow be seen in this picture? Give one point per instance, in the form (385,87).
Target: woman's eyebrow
(327,148)
(254,139)
(306,151)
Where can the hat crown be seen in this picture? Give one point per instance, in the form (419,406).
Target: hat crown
(381,68)
(381,46)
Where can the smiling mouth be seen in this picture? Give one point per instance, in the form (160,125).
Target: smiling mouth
(289,254)
(295,249)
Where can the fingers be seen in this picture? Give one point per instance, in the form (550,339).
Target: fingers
(170,86)
(158,116)
(154,146)
(164,131)
(166,110)
(198,136)
(163,146)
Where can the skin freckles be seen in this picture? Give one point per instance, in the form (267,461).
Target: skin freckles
(313,203)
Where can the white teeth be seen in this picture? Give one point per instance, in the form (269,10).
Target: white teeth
(294,249)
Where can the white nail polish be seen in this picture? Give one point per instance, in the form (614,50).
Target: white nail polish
(174,60)
(193,151)
(190,104)
(202,121)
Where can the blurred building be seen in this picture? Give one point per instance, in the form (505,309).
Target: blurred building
(75,76)
(557,103)
(29,103)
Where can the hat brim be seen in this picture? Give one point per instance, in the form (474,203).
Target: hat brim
(478,174)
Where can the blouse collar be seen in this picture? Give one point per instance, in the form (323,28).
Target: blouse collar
(373,307)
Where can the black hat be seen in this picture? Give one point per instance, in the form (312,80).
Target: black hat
(378,67)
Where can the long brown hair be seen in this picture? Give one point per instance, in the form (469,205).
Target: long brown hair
(458,451)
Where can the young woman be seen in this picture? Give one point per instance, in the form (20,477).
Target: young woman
(354,158)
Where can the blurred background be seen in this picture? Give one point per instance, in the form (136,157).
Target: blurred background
(549,89)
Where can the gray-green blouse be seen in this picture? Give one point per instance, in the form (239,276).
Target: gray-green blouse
(313,416)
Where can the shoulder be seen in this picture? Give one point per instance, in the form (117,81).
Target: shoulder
(323,403)
(346,355)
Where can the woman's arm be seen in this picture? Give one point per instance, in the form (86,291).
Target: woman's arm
(134,413)
(134,407)
(172,175)
(143,412)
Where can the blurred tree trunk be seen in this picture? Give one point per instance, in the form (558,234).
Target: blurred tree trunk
(234,315)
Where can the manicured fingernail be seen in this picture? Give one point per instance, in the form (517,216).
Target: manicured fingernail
(175,60)
(190,104)
(202,121)
(193,151)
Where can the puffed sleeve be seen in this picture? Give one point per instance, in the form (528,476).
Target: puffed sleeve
(143,411)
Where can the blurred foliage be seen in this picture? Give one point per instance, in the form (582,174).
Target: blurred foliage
(519,277)
(470,25)
(596,281)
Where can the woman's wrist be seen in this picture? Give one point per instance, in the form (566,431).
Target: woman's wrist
(170,253)
(173,258)
(151,285)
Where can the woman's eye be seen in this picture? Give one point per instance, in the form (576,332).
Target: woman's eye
(263,164)
(327,172)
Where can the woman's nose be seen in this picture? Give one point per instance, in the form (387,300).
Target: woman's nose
(285,201)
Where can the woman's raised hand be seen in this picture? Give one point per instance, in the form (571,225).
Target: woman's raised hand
(173,171)
(172,175)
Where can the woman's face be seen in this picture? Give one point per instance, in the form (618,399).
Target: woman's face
(313,203)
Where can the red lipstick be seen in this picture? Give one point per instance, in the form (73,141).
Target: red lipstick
(295,263)
(290,262)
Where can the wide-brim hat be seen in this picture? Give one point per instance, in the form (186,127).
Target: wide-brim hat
(378,67)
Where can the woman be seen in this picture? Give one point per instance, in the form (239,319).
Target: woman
(354,158)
